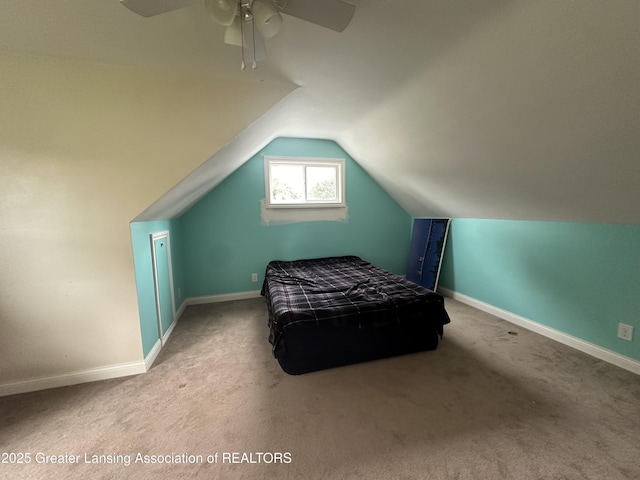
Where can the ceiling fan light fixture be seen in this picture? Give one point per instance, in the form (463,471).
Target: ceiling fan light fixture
(222,11)
(267,19)
(249,22)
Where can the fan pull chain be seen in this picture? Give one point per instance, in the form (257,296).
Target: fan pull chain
(242,65)
(254,65)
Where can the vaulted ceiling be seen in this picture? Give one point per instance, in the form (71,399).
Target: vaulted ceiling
(458,108)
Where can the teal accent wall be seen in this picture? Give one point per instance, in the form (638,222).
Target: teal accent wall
(142,259)
(224,240)
(578,278)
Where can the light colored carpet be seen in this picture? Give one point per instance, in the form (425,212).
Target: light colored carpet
(485,405)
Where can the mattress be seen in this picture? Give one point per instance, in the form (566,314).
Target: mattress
(345,293)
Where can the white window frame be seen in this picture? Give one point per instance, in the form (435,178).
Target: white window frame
(338,163)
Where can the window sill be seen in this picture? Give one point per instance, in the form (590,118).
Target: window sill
(302,206)
(275,216)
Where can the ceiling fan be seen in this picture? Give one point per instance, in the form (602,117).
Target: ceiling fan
(249,22)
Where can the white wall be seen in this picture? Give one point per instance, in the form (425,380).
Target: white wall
(531,113)
(84,148)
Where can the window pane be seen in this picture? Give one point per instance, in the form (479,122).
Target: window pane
(287,183)
(304,182)
(321,184)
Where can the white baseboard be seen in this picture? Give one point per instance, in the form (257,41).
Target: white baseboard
(167,334)
(225,297)
(564,338)
(151,357)
(180,310)
(120,370)
(73,378)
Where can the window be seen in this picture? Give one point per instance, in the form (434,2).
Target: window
(304,182)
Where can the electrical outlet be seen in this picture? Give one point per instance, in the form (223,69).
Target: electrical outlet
(625,331)
(254,277)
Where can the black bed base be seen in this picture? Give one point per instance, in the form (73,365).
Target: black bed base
(308,349)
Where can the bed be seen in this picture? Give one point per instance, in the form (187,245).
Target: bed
(328,312)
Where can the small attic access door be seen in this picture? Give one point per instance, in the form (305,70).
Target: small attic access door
(163,284)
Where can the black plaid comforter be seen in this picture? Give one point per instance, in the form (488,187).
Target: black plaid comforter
(344,291)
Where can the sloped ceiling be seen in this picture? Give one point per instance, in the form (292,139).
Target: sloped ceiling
(458,108)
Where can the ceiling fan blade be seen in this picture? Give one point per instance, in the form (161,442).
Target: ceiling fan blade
(149,8)
(332,14)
